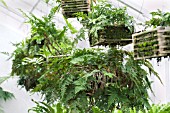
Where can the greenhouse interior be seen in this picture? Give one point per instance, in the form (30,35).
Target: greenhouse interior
(84,56)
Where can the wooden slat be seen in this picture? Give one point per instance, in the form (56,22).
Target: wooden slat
(114,42)
(162,35)
(70,7)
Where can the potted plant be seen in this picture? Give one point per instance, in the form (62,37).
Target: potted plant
(108,25)
(157,38)
(70,7)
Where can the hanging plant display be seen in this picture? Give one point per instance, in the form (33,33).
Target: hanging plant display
(70,7)
(49,63)
(152,44)
(112,35)
(108,25)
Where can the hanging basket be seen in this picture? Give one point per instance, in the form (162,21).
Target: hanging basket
(152,44)
(70,7)
(112,35)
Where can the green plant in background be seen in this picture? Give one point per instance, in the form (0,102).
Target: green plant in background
(4,95)
(159,18)
(49,63)
(42,107)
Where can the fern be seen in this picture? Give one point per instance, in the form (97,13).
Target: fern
(4,94)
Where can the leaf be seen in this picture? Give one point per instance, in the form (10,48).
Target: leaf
(3,2)
(47,1)
(77,60)
(2,79)
(5,95)
(151,70)
(73,30)
(108,74)
(117,111)
(79,88)
(61,35)
(50,109)
(59,108)
(95,109)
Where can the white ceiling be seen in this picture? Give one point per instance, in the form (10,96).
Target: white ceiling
(11,16)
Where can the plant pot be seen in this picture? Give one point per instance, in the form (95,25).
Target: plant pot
(158,40)
(112,35)
(70,7)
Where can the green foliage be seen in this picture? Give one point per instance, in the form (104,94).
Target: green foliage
(92,77)
(48,62)
(4,94)
(104,14)
(3,2)
(42,107)
(32,55)
(157,108)
(159,18)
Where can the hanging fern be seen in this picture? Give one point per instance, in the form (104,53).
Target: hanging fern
(48,62)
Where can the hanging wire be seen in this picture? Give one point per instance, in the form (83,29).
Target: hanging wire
(141,9)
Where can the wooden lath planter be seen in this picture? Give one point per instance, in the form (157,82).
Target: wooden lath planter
(70,7)
(152,44)
(112,35)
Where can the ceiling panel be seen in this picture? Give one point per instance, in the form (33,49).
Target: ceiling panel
(11,16)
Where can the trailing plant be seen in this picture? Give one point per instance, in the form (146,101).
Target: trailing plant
(32,54)
(48,62)
(91,77)
(159,18)
(103,15)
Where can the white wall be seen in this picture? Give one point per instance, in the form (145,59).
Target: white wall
(22,101)
(161,91)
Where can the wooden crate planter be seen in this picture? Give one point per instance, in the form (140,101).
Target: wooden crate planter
(70,7)
(152,44)
(112,35)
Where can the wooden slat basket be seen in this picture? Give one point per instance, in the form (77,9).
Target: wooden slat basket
(152,44)
(70,7)
(112,35)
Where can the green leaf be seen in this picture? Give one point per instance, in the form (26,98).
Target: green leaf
(3,2)
(79,88)
(77,60)
(95,109)
(73,30)
(59,108)
(108,74)
(2,79)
